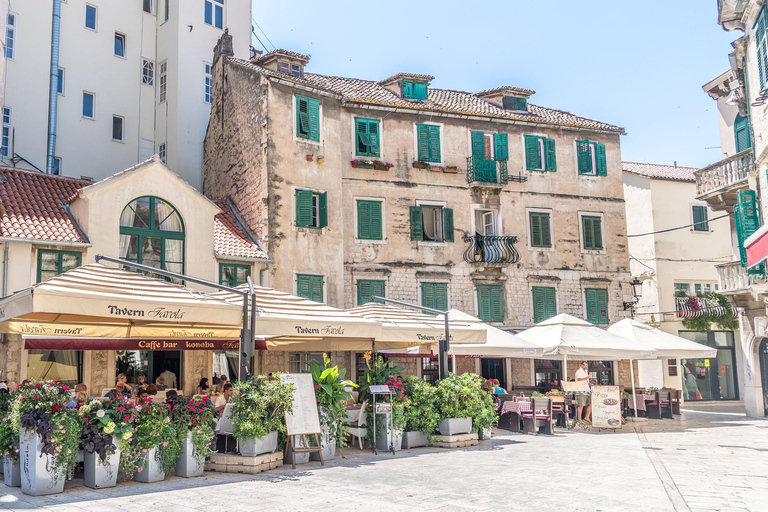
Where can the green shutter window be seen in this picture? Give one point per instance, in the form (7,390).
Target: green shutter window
(761,47)
(532,154)
(422,134)
(417,229)
(428,142)
(434,295)
(597,305)
(323,207)
(367,137)
(304,217)
(592,233)
(367,289)
(478,144)
(447,224)
(747,220)
(233,275)
(52,263)
(369,220)
(501,141)
(741,132)
(584,157)
(551,160)
(602,169)
(540,230)
(307,118)
(490,303)
(407,89)
(544,303)
(419,91)
(700,220)
(310,287)
(314,120)
(434,143)
(373,136)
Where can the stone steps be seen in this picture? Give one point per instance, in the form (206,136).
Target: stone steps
(457,441)
(229,463)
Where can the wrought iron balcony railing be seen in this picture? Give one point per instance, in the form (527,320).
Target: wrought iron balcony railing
(495,251)
(724,173)
(486,171)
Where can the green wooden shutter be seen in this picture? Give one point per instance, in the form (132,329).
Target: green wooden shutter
(323,209)
(532,155)
(447,224)
(490,303)
(584,157)
(592,306)
(747,220)
(376,221)
(434,143)
(502,146)
(700,218)
(544,303)
(367,289)
(602,168)
(419,91)
(597,231)
(761,48)
(521,104)
(428,295)
(741,132)
(497,304)
(422,134)
(549,145)
(441,296)
(303,286)
(407,89)
(417,229)
(591,228)
(303,208)
(317,288)
(364,220)
(602,306)
(314,119)
(540,232)
(373,137)
(478,144)
(302,117)
(363,142)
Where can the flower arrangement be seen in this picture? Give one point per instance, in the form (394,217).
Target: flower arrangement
(331,397)
(42,411)
(464,396)
(195,415)
(153,428)
(378,370)
(554,393)
(421,410)
(378,165)
(259,406)
(708,309)
(10,420)
(106,425)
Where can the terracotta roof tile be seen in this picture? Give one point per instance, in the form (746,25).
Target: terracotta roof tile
(280,53)
(506,89)
(230,239)
(660,172)
(355,90)
(407,76)
(32,205)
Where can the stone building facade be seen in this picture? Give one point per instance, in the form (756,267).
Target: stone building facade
(430,196)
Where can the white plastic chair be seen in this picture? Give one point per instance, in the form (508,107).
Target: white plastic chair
(359,429)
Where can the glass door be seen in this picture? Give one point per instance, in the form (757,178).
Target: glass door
(711,378)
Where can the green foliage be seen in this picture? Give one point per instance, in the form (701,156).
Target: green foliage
(465,396)
(195,415)
(331,397)
(421,408)
(726,320)
(259,406)
(153,428)
(377,371)
(106,423)
(10,423)
(400,402)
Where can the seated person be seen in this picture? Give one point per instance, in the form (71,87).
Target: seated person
(121,390)
(160,384)
(152,390)
(121,377)
(497,389)
(80,388)
(170,398)
(220,402)
(81,398)
(141,396)
(552,385)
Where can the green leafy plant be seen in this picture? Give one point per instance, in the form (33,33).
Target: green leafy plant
(465,396)
(400,401)
(332,397)
(420,410)
(106,425)
(378,370)
(259,406)
(10,423)
(554,393)
(710,308)
(537,394)
(195,415)
(153,428)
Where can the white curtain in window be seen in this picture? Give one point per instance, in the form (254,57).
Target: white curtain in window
(127,218)
(428,221)
(57,365)
(163,216)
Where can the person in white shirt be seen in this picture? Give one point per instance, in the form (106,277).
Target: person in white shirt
(583,400)
(220,402)
(169,379)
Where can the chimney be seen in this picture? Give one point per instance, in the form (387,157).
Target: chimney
(223,46)
(675,164)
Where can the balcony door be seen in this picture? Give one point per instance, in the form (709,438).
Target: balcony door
(486,222)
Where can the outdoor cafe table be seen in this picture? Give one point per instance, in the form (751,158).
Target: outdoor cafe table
(516,407)
(641,399)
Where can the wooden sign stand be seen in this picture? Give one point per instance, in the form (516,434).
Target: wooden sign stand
(307,449)
(304,420)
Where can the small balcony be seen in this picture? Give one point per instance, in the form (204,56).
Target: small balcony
(719,183)
(480,170)
(491,251)
(735,279)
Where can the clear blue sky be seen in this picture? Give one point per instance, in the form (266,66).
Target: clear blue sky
(636,64)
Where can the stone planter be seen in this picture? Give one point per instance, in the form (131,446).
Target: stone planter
(298,458)
(256,446)
(37,479)
(188,464)
(415,439)
(451,170)
(484,434)
(329,447)
(382,443)
(11,473)
(151,468)
(454,426)
(99,475)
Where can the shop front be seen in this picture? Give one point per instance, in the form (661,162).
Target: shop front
(712,378)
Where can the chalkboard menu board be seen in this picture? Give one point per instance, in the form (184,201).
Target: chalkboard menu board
(606,407)
(304,418)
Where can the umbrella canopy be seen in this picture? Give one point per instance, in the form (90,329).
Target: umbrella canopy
(404,327)
(644,336)
(565,336)
(498,343)
(290,323)
(99,301)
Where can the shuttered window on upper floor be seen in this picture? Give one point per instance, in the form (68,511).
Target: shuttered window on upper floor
(367,137)
(540,154)
(311,209)
(597,305)
(307,118)
(367,289)
(490,146)
(544,303)
(428,141)
(761,48)
(310,287)
(591,158)
(369,220)
(490,303)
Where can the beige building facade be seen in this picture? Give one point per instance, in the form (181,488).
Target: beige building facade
(481,202)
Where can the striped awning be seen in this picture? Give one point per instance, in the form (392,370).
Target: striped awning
(690,307)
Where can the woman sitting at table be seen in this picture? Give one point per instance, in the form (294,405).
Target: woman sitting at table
(497,389)
(203,388)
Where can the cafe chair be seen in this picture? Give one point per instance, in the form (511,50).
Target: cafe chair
(661,407)
(359,429)
(539,417)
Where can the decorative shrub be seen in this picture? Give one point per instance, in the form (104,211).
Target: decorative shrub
(259,406)
(106,425)
(153,428)
(377,371)
(332,397)
(421,409)
(195,414)
(465,396)
(10,421)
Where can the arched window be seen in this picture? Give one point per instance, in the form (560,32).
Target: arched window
(152,233)
(741,132)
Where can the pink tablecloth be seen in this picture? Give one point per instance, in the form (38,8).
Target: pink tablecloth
(640,401)
(518,407)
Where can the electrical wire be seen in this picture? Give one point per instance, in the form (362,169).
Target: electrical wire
(264,33)
(681,227)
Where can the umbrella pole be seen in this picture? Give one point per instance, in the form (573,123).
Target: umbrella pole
(634,397)
(453,358)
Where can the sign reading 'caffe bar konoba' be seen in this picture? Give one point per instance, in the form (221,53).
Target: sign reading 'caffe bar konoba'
(118,344)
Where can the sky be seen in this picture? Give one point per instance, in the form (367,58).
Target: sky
(638,64)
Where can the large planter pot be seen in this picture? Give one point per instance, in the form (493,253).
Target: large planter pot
(484,434)
(383,441)
(37,478)
(188,464)
(151,469)
(292,457)
(415,439)
(99,475)
(455,426)
(11,473)
(329,447)
(255,446)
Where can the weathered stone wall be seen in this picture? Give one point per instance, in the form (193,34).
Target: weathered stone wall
(522,375)
(10,359)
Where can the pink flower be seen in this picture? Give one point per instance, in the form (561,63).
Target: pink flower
(200,410)
(66,388)
(165,444)
(121,408)
(139,470)
(87,419)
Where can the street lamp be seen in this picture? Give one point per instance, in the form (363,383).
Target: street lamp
(637,288)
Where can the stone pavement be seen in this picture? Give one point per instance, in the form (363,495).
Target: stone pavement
(704,461)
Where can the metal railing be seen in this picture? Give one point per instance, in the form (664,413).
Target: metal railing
(734,277)
(496,251)
(725,172)
(486,171)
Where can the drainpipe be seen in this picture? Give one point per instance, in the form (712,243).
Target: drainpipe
(53,94)
(5,280)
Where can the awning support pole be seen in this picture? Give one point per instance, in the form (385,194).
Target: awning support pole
(632,376)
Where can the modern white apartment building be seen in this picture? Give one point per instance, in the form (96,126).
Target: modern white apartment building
(131,78)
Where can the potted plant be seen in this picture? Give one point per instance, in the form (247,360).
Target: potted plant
(258,413)
(485,415)
(194,419)
(451,169)
(458,400)
(9,438)
(49,437)
(332,396)
(378,370)
(106,428)
(418,164)
(421,417)
(154,441)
